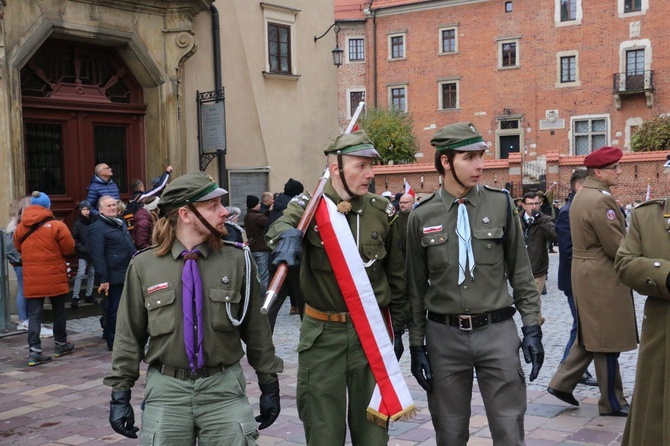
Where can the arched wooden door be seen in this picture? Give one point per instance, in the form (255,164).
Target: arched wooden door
(81,107)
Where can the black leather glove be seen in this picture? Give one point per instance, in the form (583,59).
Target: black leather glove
(121,414)
(536,215)
(421,367)
(269,404)
(288,249)
(397,343)
(532,348)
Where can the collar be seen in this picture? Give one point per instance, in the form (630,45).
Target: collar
(357,203)
(594,183)
(449,200)
(178,248)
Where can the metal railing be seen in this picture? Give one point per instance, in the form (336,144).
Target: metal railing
(635,82)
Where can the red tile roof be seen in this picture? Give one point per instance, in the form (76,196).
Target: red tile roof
(350,9)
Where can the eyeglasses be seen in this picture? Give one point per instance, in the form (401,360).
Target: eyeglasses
(614,167)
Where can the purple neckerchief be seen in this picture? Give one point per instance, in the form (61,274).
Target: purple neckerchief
(192,289)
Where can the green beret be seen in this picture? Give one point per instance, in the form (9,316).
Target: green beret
(356,143)
(189,188)
(462,137)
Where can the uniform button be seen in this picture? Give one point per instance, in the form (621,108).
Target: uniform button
(489,234)
(657,264)
(376,256)
(432,240)
(374,200)
(322,243)
(227,298)
(148,305)
(650,282)
(158,302)
(465,287)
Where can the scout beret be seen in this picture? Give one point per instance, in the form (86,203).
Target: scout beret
(189,188)
(356,143)
(603,157)
(461,136)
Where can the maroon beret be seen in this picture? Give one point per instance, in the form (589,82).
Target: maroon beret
(603,157)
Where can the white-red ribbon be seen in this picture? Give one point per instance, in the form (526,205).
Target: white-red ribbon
(391,399)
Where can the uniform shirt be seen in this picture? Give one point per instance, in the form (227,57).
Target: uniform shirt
(499,251)
(377,240)
(151,309)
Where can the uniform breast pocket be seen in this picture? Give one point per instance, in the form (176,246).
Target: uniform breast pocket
(218,298)
(435,245)
(161,311)
(318,259)
(487,245)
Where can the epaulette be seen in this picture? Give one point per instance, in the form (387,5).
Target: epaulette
(237,245)
(383,204)
(660,201)
(423,200)
(143,249)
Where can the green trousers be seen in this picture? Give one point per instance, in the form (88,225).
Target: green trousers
(332,365)
(214,410)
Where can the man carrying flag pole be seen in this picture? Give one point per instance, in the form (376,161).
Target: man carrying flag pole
(353,282)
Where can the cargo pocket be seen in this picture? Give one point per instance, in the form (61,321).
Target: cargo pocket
(307,339)
(161,313)
(219,297)
(250,431)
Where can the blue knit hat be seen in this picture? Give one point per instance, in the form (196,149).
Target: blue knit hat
(41,199)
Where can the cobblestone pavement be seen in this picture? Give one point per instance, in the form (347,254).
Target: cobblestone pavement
(65,403)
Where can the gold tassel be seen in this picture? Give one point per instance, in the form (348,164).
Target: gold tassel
(382,420)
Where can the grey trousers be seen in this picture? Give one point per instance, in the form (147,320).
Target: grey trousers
(493,351)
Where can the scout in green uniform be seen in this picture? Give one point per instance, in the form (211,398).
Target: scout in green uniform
(331,361)
(464,243)
(605,307)
(643,263)
(193,298)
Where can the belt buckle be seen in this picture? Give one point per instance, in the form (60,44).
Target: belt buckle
(462,319)
(337,317)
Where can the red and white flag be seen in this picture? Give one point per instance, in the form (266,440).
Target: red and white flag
(408,189)
(391,399)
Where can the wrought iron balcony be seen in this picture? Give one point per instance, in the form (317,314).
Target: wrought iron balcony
(641,82)
(627,83)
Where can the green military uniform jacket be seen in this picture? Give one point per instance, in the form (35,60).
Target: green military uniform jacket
(377,240)
(151,310)
(604,305)
(500,255)
(643,263)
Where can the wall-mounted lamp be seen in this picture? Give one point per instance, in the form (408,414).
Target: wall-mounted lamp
(338,53)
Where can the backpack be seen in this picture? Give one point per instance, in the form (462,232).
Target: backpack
(11,254)
(129,214)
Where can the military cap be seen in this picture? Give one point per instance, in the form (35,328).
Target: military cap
(461,136)
(189,188)
(356,143)
(603,157)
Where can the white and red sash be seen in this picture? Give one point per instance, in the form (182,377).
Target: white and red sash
(391,399)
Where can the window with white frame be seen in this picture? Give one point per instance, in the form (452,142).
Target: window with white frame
(448,95)
(635,65)
(568,12)
(396,44)
(398,97)
(508,53)
(448,40)
(567,73)
(354,97)
(280,39)
(632,7)
(356,49)
(589,134)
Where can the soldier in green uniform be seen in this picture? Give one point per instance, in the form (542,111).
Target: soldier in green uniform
(643,263)
(464,243)
(331,360)
(194,299)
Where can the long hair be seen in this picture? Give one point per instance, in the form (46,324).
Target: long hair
(165,233)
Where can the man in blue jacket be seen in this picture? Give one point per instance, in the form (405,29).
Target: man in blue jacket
(111,249)
(101,184)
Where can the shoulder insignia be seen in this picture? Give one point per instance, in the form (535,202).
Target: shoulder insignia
(423,200)
(393,219)
(237,245)
(660,201)
(301,199)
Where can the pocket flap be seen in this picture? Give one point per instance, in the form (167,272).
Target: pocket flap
(225,296)
(160,299)
(374,251)
(488,233)
(437,238)
(307,340)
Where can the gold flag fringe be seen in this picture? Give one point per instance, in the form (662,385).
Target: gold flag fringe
(382,420)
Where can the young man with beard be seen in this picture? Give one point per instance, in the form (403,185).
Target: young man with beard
(464,244)
(194,299)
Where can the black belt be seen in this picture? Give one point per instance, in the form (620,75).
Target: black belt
(468,322)
(188,374)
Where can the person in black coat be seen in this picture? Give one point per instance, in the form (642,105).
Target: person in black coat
(85,266)
(111,249)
